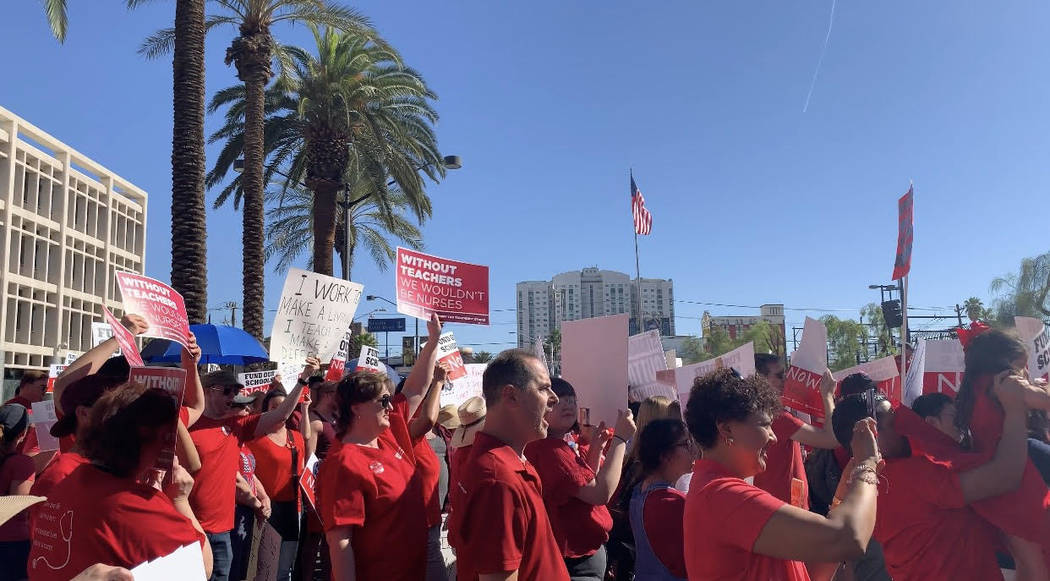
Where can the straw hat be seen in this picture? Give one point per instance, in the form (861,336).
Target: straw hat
(471,421)
(16,503)
(448,417)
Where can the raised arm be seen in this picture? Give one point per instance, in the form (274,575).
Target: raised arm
(600,490)
(269,421)
(821,437)
(186,450)
(90,361)
(306,428)
(428,410)
(799,535)
(1003,473)
(194,396)
(423,371)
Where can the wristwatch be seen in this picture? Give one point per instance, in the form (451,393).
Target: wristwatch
(301,381)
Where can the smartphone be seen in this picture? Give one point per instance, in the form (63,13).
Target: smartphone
(869,401)
(585,416)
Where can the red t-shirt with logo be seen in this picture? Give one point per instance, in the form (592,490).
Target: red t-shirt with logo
(724,516)
(925,527)
(273,466)
(500,522)
(378,493)
(95,517)
(218,444)
(784,464)
(579,528)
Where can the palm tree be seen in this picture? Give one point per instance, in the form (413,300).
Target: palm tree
(57,18)
(189,254)
(290,231)
(353,110)
(252,53)
(1024,293)
(974,308)
(482,357)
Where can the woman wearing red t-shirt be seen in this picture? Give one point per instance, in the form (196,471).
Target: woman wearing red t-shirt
(279,460)
(16,477)
(577,486)
(665,452)
(369,492)
(735,531)
(104,512)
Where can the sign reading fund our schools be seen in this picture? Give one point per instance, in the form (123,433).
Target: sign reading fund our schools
(457,291)
(158,303)
(312,317)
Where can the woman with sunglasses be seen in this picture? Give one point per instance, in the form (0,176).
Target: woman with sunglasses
(280,457)
(370,494)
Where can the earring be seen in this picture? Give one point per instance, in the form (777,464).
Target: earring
(729,441)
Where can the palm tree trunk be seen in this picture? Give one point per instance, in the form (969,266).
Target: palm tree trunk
(252,184)
(324,226)
(189,257)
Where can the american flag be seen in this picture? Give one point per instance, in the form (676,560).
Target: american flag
(643,220)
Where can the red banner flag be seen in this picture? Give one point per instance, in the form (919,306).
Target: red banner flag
(905,235)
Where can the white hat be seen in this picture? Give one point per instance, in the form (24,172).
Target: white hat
(16,503)
(471,420)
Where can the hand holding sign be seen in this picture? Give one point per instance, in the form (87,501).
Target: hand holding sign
(135,324)
(313,365)
(625,426)
(434,327)
(191,352)
(827,384)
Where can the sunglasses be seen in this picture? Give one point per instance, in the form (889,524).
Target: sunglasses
(387,401)
(226,389)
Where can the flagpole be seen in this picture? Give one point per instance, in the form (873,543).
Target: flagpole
(637,269)
(904,330)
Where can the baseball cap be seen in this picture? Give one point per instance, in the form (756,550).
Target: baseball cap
(247,398)
(221,377)
(13,418)
(82,392)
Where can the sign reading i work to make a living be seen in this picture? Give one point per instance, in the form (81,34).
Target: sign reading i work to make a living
(312,317)
(457,291)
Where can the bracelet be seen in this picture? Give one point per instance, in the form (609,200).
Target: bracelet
(865,473)
(620,438)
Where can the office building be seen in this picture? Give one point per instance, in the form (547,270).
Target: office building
(736,325)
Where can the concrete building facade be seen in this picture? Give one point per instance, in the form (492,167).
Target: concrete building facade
(736,325)
(67,225)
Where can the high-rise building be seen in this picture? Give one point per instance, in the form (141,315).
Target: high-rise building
(67,225)
(543,305)
(736,325)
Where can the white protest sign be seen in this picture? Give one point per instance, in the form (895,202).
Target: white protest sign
(71,357)
(254,381)
(53,372)
(645,356)
(913,382)
(808,363)
(1036,337)
(460,390)
(100,332)
(883,371)
(449,355)
(594,361)
(337,365)
(43,417)
(368,360)
(312,317)
(184,563)
(943,365)
(742,359)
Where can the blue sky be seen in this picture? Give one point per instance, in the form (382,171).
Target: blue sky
(550,103)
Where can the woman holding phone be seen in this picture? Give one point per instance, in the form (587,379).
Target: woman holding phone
(577,484)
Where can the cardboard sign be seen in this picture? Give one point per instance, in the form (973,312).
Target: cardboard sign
(457,291)
(937,366)
(460,390)
(125,339)
(594,361)
(1036,337)
(742,359)
(173,381)
(905,235)
(42,417)
(368,360)
(308,482)
(158,304)
(883,371)
(808,363)
(337,366)
(184,563)
(100,332)
(53,372)
(254,381)
(312,318)
(449,355)
(266,552)
(645,356)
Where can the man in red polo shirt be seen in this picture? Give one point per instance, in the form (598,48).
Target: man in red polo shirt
(502,530)
(30,390)
(218,436)
(785,474)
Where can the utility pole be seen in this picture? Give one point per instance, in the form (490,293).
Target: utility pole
(958,313)
(232,306)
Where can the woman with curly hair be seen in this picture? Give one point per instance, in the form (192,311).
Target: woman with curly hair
(734,530)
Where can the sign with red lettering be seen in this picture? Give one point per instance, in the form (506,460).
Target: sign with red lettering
(450,357)
(457,291)
(125,339)
(937,366)
(172,381)
(158,303)
(337,366)
(308,484)
(1036,336)
(808,363)
(905,235)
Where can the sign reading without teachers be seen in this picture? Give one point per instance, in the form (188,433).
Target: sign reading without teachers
(158,303)
(457,291)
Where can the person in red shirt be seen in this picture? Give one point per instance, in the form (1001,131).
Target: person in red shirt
(501,529)
(785,473)
(577,487)
(926,527)
(370,494)
(280,457)
(16,477)
(30,390)
(736,531)
(104,512)
(218,436)
(323,410)
(665,452)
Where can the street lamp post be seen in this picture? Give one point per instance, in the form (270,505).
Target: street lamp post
(415,346)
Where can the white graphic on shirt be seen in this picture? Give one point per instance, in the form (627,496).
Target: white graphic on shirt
(65,525)
(376,467)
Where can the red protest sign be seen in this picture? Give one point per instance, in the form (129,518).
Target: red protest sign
(125,339)
(308,482)
(905,235)
(336,369)
(802,391)
(158,303)
(457,291)
(173,381)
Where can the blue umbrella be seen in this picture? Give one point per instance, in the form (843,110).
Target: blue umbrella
(392,373)
(219,344)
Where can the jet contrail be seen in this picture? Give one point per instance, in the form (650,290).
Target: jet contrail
(824,49)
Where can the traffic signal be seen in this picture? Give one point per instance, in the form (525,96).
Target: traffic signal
(892,314)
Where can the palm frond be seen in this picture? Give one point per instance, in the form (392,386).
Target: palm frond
(57,18)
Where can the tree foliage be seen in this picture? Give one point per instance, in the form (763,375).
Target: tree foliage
(877,330)
(1023,293)
(845,341)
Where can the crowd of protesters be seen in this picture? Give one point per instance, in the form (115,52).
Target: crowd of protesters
(731,487)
